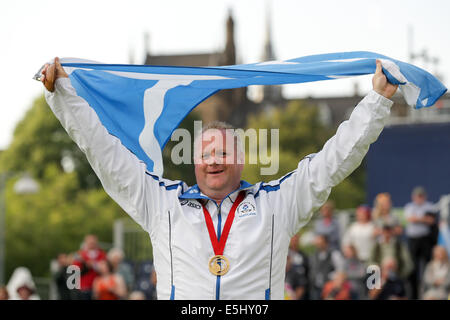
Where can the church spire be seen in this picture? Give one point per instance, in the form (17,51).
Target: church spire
(268,53)
(270,94)
(230,49)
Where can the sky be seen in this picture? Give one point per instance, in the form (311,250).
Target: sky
(110,31)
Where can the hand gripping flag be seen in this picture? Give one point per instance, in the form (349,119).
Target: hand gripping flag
(143,104)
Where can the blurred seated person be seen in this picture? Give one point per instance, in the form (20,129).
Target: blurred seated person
(436,279)
(108,285)
(61,276)
(356,271)
(388,245)
(392,286)
(136,295)
(339,288)
(86,259)
(21,285)
(382,214)
(297,270)
(152,292)
(328,225)
(361,233)
(323,262)
(116,258)
(4,295)
(296,282)
(25,292)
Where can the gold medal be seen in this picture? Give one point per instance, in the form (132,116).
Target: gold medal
(219,265)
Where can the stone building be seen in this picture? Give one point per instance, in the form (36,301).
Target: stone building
(230,105)
(234,106)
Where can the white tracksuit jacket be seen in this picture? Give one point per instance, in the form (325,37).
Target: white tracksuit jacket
(170,212)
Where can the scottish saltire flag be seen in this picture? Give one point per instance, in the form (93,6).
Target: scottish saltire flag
(142,105)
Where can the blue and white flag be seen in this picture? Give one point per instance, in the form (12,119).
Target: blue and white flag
(142,104)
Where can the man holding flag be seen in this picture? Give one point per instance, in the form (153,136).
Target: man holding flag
(223,238)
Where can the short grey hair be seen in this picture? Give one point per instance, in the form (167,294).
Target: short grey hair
(222,125)
(219,125)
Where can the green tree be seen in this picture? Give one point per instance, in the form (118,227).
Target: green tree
(39,141)
(69,204)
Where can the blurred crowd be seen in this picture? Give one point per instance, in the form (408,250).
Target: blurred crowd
(104,275)
(90,274)
(376,257)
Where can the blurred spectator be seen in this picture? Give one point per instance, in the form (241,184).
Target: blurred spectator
(61,276)
(339,288)
(87,259)
(328,225)
(25,291)
(297,270)
(356,272)
(361,233)
(146,280)
(152,291)
(388,245)
(392,286)
(289,293)
(436,279)
(324,262)
(108,285)
(381,214)
(418,232)
(136,295)
(116,256)
(4,293)
(21,285)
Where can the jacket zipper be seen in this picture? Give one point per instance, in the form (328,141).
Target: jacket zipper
(172,290)
(219,233)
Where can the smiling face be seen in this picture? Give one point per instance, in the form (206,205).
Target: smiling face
(217,169)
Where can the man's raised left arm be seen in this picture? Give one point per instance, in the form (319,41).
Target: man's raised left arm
(308,187)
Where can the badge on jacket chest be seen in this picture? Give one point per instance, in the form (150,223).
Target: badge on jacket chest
(246,209)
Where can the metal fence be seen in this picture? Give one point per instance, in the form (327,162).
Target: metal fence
(45,288)
(132,239)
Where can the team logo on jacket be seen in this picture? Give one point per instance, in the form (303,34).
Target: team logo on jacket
(246,209)
(194,205)
(190,204)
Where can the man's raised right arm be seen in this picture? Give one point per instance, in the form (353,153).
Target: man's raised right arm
(121,173)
